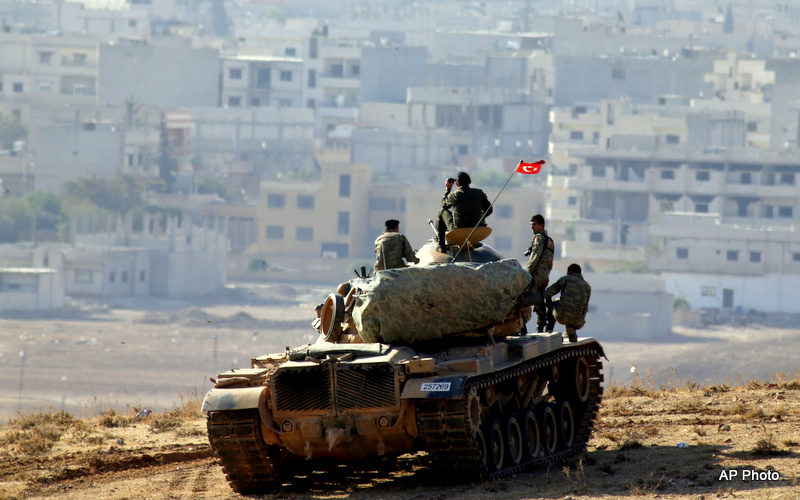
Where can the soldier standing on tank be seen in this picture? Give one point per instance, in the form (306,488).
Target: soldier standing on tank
(467,205)
(570,309)
(391,248)
(540,263)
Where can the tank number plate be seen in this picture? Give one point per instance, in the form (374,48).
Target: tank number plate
(436,386)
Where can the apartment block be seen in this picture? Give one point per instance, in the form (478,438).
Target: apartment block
(250,81)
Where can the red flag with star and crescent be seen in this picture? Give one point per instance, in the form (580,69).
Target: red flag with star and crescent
(530,168)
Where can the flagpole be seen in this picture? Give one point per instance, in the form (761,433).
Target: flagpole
(484,213)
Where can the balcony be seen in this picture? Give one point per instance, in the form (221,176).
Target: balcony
(338,82)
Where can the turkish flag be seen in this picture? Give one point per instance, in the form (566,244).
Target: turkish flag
(530,168)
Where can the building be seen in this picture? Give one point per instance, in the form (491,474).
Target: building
(30,289)
(251,81)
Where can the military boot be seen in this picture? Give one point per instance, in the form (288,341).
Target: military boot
(442,247)
(573,337)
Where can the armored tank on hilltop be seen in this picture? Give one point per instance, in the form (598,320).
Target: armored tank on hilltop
(431,357)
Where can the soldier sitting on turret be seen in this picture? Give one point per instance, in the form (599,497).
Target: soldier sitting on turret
(467,205)
(570,309)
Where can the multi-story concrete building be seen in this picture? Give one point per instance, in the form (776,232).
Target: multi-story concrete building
(36,64)
(250,81)
(621,193)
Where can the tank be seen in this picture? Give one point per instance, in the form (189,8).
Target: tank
(499,399)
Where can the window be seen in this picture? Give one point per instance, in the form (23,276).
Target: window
(755,256)
(344,186)
(595,137)
(701,208)
(708,291)
(45,57)
(274,232)
(142,276)
(255,102)
(504,211)
(572,201)
(343,226)
(673,139)
(768,212)
(702,175)
(732,255)
(276,200)
(45,88)
(17,87)
(383,204)
(503,243)
(311,104)
(305,201)
(746,178)
(290,51)
(355,70)
(263,78)
(752,126)
(132,23)
(682,253)
(337,70)
(234,102)
(304,234)
(124,276)
(79,59)
(312,78)
(235,73)
(796,256)
(618,73)
(463,150)
(284,103)
(785,212)
(84,277)
(286,76)
(80,89)
(787,179)
(576,135)
(667,174)
(598,171)
(111,277)
(596,237)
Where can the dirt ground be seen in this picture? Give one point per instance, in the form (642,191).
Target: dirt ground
(131,354)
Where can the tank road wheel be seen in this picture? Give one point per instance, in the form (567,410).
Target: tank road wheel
(533,441)
(332,317)
(567,425)
(514,441)
(496,446)
(480,444)
(583,384)
(549,428)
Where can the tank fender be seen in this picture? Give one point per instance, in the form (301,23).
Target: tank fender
(236,398)
(440,387)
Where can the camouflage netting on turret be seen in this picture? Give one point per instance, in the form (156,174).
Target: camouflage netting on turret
(425,303)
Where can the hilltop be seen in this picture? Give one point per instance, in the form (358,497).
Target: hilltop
(649,440)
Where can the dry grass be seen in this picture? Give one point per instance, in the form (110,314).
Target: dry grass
(176,419)
(35,433)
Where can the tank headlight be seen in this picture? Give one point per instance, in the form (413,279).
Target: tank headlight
(287,426)
(384,422)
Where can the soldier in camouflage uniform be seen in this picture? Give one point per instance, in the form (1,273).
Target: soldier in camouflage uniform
(467,205)
(570,309)
(391,248)
(539,265)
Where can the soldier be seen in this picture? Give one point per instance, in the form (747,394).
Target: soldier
(570,309)
(467,206)
(391,247)
(539,265)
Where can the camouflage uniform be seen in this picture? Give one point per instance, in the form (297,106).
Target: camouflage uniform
(570,309)
(467,205)
(539,265)
(390,248)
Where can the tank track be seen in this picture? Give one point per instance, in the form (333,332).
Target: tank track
(445,425)
(249,464)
